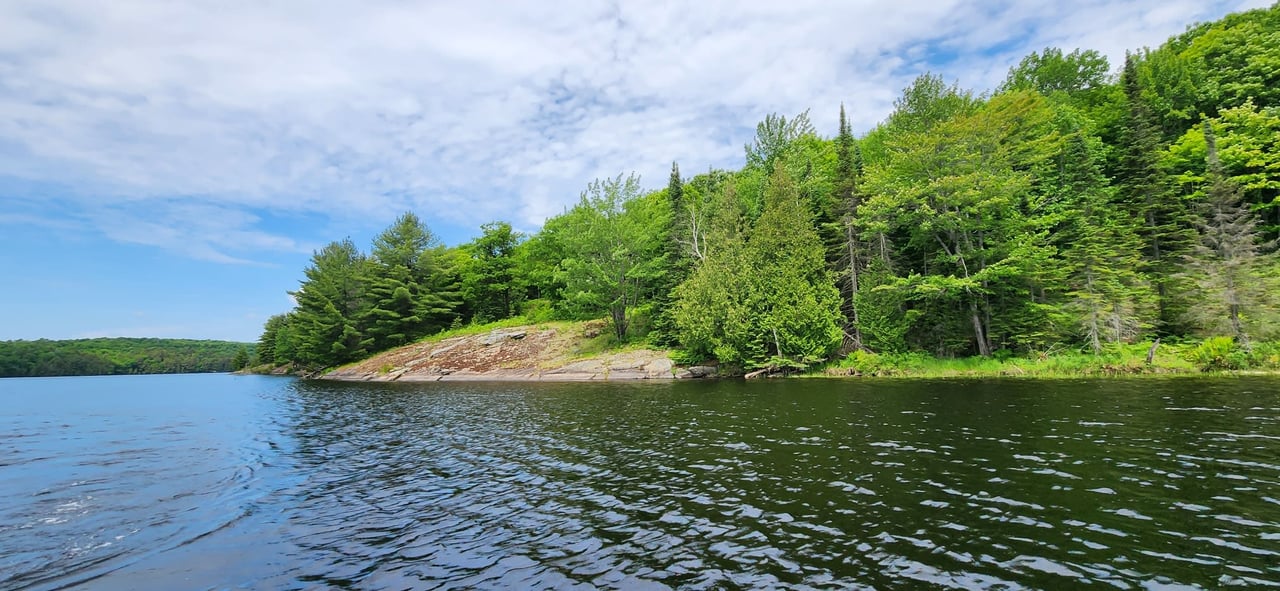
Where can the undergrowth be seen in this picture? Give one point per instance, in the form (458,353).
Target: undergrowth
(1217,354)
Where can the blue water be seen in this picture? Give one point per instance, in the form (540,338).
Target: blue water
(219,481)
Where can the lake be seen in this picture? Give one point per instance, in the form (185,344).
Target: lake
(221,481)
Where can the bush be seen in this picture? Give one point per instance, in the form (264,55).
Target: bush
(1265,355)
(536,311)
(1218,354)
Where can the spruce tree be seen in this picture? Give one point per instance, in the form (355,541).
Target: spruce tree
(678,263)
(1146,196)
(844,246)
(1106,294)
(1227,265)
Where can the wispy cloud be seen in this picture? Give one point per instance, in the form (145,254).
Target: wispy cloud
(178,124)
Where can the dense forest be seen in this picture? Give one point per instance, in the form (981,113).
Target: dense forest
(1079,206)
(115,356)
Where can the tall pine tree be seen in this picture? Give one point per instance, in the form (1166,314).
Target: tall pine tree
(844,245)
(1107,296)
(1145,194)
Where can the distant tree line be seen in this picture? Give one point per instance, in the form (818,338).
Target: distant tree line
(117,356)
(1071,208)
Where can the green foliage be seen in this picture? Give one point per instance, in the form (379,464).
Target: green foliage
(614,247)
(1050,71)
(241,359)
(953,193)
(766,300)
(491,286)
(351,304)
(267,342)
(330,303)
(1227,265)
(1215,66)
(1248,142)
(1113,360)
(775,137)
(410,292)
(116,356)
(1218,354)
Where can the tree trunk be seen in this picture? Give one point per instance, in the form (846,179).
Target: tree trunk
(856,325)
(1094,329)
(619,316)
(984,348)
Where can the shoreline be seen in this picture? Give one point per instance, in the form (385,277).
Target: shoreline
(584,352)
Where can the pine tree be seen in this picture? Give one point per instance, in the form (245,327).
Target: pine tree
(267,342)
(1101,252)
(241,359)
(331,303)
(1227,265)
(1145,193)
(844,245)
(406,298)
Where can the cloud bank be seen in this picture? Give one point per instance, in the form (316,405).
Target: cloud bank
(186,125)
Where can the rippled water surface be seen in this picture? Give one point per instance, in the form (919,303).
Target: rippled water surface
(216,481)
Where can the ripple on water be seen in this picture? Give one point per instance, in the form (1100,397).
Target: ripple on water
(791,485)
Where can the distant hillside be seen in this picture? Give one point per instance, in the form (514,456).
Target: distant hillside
(117,356)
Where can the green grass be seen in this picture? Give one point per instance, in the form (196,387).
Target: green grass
(475,329)
(1210,356)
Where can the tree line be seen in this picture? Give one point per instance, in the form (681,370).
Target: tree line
(1073,207)
(119,356)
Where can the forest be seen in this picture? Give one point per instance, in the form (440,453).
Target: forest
(118,356)
(1080,206)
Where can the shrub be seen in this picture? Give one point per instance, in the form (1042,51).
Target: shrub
(1218,354)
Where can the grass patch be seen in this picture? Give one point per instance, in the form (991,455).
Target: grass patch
(475,329)
(1115,360)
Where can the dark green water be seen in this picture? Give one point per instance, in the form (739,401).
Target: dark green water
(177,482)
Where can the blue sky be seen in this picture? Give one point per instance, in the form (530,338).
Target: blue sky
(166,168)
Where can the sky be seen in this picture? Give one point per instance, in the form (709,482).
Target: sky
(167,168)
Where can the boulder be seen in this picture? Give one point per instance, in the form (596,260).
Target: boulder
(696,371)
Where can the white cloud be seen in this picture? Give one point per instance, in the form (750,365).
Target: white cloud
(174,124)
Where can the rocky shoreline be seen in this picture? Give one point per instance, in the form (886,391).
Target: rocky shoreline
(516,354)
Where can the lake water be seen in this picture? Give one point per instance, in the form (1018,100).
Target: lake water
(219,481)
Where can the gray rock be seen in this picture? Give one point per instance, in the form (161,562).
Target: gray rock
(696,371)
(497,336)
(659,368)
(627,374)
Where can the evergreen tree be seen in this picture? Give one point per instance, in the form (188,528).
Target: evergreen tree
(331,304)
(1146,196)
(1227,265)
(768,300)
(241,359)
(408,294)
(490,285)
(844,245)
(1101,252)
(794,297)
(678,261)
(267,342)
